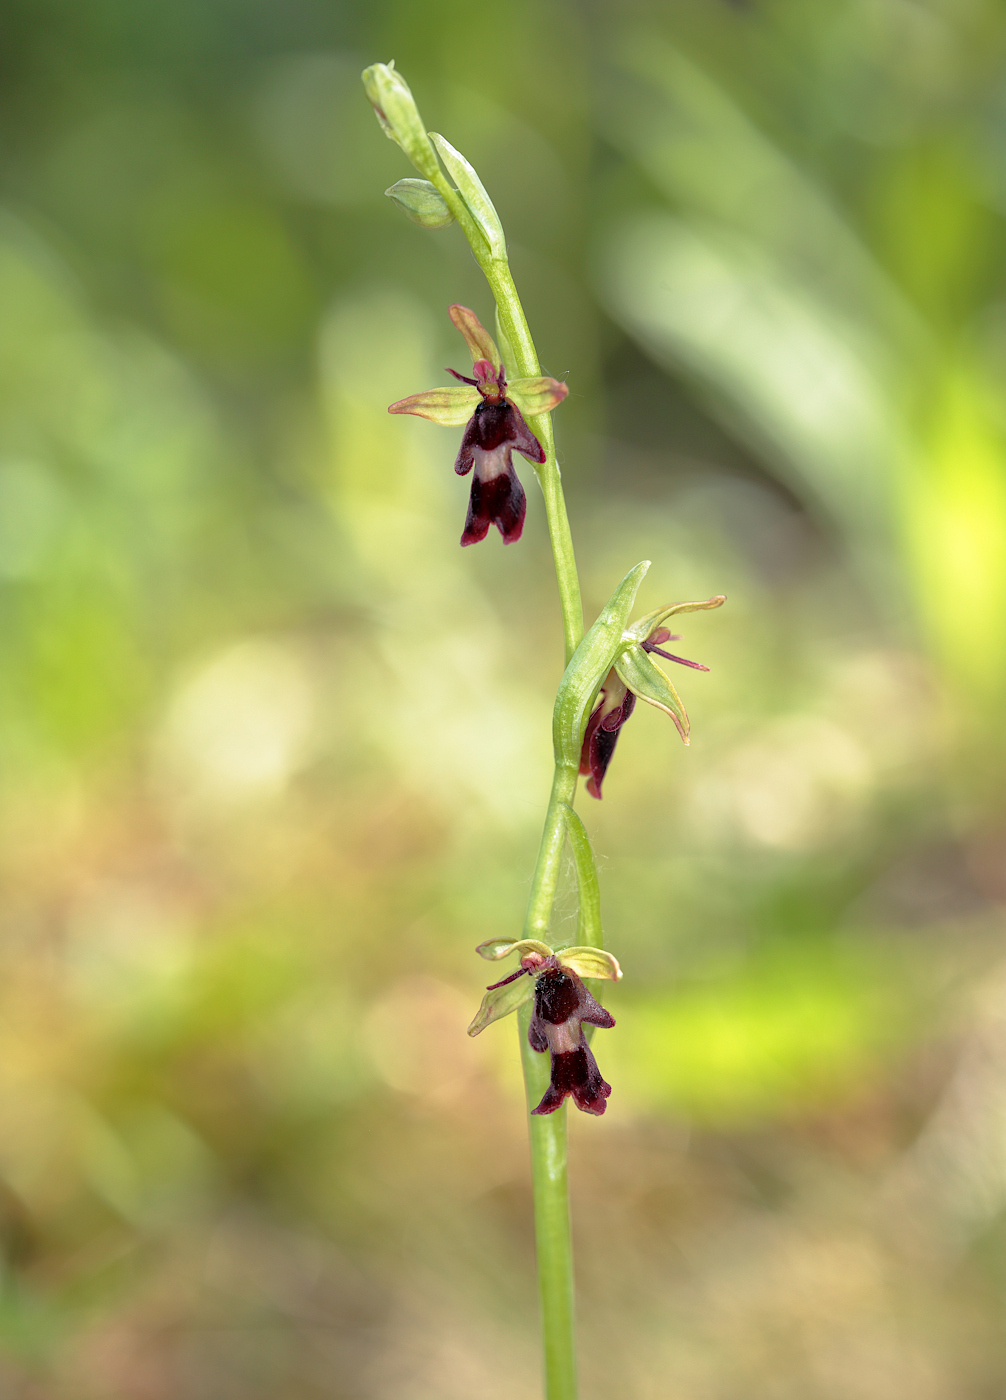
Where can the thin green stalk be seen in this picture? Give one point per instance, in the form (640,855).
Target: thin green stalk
(552,1237)
(515,328)
(553,1241)
(546,873)
(399,117)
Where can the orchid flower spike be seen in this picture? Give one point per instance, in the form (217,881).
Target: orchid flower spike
(636,674)
(562,1005)
(493,413)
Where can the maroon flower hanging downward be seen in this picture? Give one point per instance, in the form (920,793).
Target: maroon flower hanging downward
(493,412)
(562,1006)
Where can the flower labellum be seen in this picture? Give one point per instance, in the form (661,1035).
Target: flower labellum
(493,414)
(635,675)
(562,1006)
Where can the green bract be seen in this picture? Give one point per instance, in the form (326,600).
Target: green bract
(421,202)
(589,665)
(588,919)
(473,192)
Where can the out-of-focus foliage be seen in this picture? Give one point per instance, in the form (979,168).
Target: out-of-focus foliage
(275,751)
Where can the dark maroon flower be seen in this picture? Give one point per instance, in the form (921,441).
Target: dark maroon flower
(562,1005)
(493,413)
(495,430)
(635,675)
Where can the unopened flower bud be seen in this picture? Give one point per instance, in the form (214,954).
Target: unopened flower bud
(391,98)
(421,202)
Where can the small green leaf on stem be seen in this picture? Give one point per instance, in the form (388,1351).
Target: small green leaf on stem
(421,202)
(474,194)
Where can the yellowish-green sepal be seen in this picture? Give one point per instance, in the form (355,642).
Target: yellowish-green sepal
(645,678)
(645,626)
(501,1001)
(538,395)
(450,407)
(590,962)
(421,202)
(495,948)
(473,192)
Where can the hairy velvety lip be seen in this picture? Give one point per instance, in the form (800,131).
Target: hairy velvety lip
(562,1005)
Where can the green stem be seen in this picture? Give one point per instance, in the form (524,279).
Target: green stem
(549,863)
(515,328)
(553,1242)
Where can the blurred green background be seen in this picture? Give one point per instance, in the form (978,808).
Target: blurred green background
(275,751)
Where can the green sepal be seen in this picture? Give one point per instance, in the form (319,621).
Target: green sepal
(495,948)
(449,407)
(473,192)
(501,1001)
(644,678)
(538,395)
(395,108)
(477,338)
(588,666)
(644,626)
(421,202)
(590,962)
